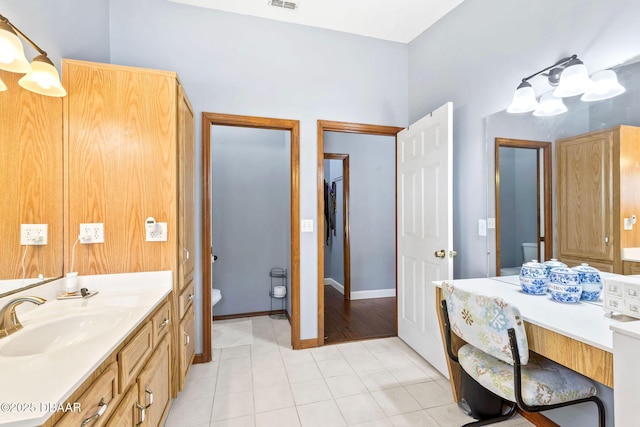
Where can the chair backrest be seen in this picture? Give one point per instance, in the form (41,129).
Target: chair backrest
(483,322)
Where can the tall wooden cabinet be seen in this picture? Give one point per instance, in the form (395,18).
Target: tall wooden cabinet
(129,154)
(597,186)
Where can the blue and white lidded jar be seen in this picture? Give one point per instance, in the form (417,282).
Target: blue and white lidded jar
(533,278)
(590,280)
(564,285)
(553,263)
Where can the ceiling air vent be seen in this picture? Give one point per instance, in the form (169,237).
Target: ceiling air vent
(292,4)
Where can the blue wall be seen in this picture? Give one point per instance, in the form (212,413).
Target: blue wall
(237,64)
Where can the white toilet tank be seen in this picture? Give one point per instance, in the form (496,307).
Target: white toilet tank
(216,296)
(529,251)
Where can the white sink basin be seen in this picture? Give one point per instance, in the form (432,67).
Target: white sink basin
(51,333)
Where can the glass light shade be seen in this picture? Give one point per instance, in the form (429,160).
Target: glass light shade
(43,78)
(604,85)
(11,51)
(550,105)
(524,99)
(3,86)
(573,80)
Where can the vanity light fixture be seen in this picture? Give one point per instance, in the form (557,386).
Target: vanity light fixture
(41,75)
(569,77)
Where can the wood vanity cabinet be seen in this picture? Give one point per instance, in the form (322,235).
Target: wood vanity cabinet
(129,155)
(597,186)
(186,333)
(135,378)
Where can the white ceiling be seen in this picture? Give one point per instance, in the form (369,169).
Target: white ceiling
(395,20)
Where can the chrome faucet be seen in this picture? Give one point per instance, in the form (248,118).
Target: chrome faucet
(9,322)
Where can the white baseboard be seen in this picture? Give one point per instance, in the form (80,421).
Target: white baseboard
(377,293)
(337,286)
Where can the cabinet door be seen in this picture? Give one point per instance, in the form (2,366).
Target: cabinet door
(154,385)
(186,212)
(584,197)
(128,413)
(188,344)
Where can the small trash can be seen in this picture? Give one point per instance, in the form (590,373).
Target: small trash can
(477,401)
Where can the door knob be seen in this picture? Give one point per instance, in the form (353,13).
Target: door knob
(440,254)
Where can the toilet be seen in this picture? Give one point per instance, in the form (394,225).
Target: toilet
(216,296)
(529,252)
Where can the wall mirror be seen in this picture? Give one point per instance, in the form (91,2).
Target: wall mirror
(31,172)
(517,201)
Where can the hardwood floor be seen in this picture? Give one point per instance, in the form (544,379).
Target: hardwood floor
(358,319)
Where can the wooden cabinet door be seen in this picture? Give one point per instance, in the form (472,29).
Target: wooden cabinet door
(584,197)
(154,385)
(188,343)
(186,212)
(128,412)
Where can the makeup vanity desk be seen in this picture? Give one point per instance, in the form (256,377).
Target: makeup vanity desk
(578,336)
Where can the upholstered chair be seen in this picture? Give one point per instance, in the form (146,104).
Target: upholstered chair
(496,356)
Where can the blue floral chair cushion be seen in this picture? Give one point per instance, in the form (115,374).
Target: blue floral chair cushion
(483,322)
(543,382)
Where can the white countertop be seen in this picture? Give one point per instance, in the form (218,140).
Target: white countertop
(52,377)
(584,322)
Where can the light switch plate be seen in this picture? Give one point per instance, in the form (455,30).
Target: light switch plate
(491,223)
(306,225)
(482,227)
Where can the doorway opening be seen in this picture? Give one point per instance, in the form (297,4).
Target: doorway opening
(352,310)
(524,228)
(209,120)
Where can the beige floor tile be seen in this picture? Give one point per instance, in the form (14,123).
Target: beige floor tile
(359,408)
(232,367)
(246,421)
(334,367)
(410,374)
(393,358)
(287,417)
(188,413)
(394,401)
(321,414)
(429,394)
(382,422)
(303,372)
(378,380)
(414,419)
(310,392)
(295,357)
(232,406)
(272,398)
(229,384)
(327,352)
(353,349)
(269,377)
(199,388)
(449,415)
(367,362)
(235,352)
(346,385)
(203,370)
(377,346)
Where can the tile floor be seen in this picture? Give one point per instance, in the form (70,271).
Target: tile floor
(373,383)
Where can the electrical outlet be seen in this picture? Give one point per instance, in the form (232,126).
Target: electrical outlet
(33,234)
(91,233)
(158,234)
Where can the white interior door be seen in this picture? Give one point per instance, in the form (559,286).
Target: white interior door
(425,229)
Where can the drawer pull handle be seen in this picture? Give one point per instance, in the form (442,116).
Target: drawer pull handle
(164,323)
(103,407)
(614,303)
(186,255)
(633,293)
(150,393)
(143,413)
(187,340)
(190,298)
(633,308)
(613,289)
